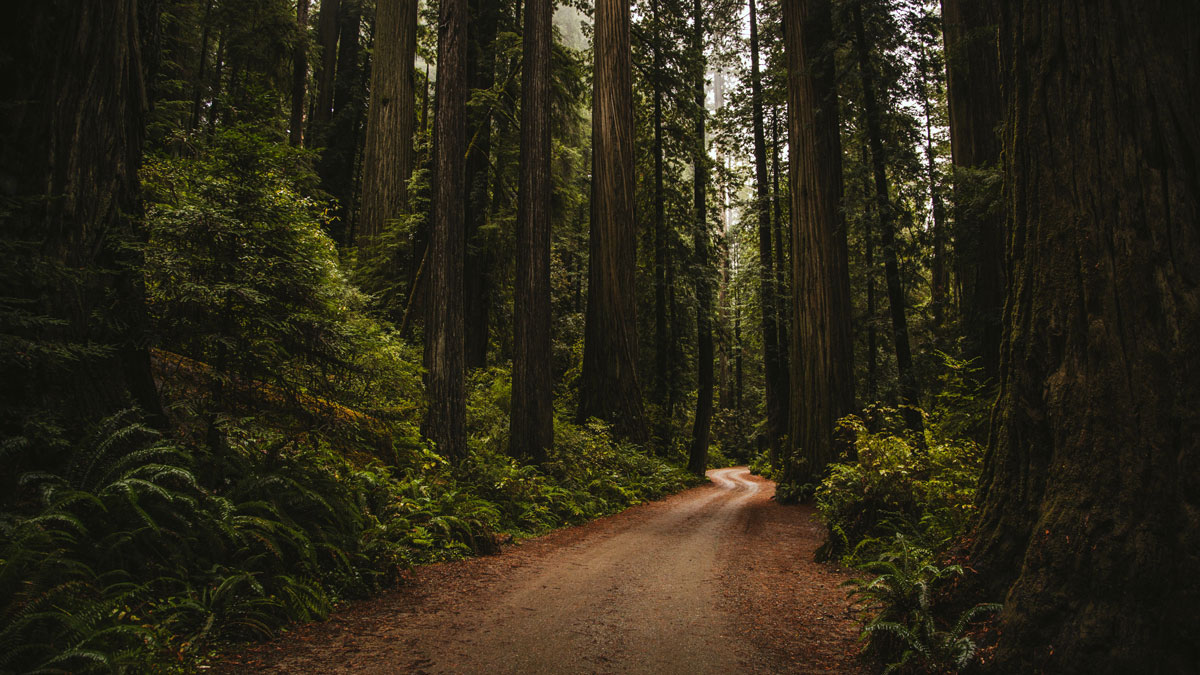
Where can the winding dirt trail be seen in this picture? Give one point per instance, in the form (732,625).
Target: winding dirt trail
(717,579)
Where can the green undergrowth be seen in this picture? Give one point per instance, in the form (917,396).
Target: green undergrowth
(289,474)
(148,552)
(892,513)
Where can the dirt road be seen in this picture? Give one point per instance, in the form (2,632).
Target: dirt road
(717,579)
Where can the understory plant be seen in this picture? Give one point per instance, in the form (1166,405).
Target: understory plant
(892,512)
(903,627)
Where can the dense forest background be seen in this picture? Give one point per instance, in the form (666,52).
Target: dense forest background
(300,294)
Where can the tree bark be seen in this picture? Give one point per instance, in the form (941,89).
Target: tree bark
(71,133)
(481,66)
(1090,496)
(822,378)
(388,154)
(609,389)
(444,344)
(783,281)
(939,272)
(702,424)
(774,384)
(662,335)
(327,36)
(299,74)
(910,392)
(976,110)
(532,430)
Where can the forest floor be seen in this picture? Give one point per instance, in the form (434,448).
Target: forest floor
(716,579)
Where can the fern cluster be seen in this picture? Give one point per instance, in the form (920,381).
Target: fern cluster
(895,508)
(903,626)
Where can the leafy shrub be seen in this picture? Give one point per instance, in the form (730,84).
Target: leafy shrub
(896,486)
(902,627)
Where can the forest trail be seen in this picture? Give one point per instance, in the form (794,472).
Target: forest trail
(716,579)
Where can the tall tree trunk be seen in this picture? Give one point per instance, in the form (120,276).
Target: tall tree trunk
(1090,496)
(702,424)
(72,125)
(783,281)
(774,385)
(481,66)
(662,337)
(327,37)
(872,310)
(444,330)
(938,270)
(388,155)
(200,86)
(299,74)
(340,137)
(976,110)
(822,352)
(910,393)
(532,431)
(609,388)
(215,91)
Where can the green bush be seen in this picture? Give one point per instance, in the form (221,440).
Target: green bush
(896,486)
(902,627)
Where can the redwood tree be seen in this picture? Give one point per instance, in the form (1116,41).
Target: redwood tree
(976,110)
(444,330)
(71,132)
(774,383)
(702,424)
(388,154)
(1090,499)
(872,102)
(822,376)
(609,388)
(532,430)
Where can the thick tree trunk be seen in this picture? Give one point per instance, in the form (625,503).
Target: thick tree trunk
(822,379)
(71,132)
(444,343)
(910,392)
(532,431)
(774,384)
(976,110)
(481,67)
(702,424)
(388,154)
(299,74)
(609,388)
(1090,498)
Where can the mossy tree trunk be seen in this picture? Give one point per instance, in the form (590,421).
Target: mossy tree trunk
(71,132)
(1090,498)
